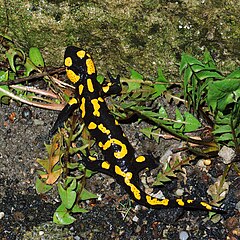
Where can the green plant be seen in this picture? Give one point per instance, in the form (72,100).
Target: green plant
(205,93)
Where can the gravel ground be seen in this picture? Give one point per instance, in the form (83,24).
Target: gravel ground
(26,215)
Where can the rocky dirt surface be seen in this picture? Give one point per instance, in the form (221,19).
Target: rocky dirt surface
(26,215)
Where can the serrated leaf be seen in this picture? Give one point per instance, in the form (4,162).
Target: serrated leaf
(36,57)
(147,131)
(42,187)
(62,216)
(161,179)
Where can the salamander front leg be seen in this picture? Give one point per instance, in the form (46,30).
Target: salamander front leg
(64,115)
(111,86)
(145,161)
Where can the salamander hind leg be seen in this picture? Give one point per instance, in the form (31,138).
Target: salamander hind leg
(94,164)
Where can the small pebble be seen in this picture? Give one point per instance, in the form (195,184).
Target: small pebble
(207,162)
(1,215)
(41,233)
(183,235)
(179,192)
(227,154)
(135,219)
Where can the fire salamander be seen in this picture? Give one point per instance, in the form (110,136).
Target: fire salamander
(119,156)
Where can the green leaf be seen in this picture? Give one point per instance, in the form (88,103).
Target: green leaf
(159,89)
(29,66)
(36,57)
(3,76)
(77,209)
(134,85)
(161,179)
(221,93)
(68,196)
(208,74)
(208,60)
(162,112)
(225,137)
(85,195)
(179,119)
(11,54)
(222,129)
(161,77)
(186,61)
(147,131)
(62,216)
(3,94)
(234,74)
(42,187)
(191,123)
(100,78)
(186,78)
(73,185)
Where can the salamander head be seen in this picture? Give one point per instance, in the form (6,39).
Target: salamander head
(78,64)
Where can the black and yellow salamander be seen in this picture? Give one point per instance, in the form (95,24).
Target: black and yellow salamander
(119,156)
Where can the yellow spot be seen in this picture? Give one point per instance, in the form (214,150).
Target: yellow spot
(92,158)
(105,165)
(92,125)
(72,76)
(100,99)
(100,144)
(72,101)
(140,159)
(122,153)
(190,201)
(103,129)
(96,107)
(80,89)
(105,88)
(116,122)
(90,85)
(68,62)
(88,55)
(180,202)
(206,205)
(82,107)
(90,66)
(81,54)
(155,201)
(127,179)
